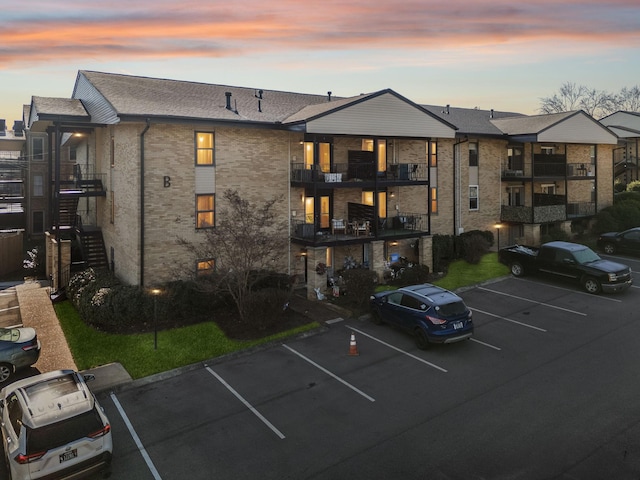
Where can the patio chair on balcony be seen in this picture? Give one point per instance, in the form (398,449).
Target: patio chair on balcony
(338,225)
(361,228)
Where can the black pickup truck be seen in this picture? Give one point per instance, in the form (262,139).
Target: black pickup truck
(571,261)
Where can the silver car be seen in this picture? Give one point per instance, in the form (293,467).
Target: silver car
(19,348)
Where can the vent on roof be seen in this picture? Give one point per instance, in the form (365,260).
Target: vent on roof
(259,97)
(491,113)
(228,95)
(3,127)
(446,109)
(328,96)
(18,128)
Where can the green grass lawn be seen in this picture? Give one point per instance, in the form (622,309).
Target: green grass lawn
(187,345)
(177,347)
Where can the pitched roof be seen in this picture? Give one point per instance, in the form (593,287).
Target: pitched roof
(471,120)
(58,106)
(154,97)
(531,124)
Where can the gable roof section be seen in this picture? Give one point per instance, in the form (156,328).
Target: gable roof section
(624,124)
(566,127)
(383,113)
(47,109)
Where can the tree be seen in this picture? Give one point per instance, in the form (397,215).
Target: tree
(246,242)
(596,103)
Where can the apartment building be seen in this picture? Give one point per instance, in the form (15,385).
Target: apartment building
(365,179)
(626,125)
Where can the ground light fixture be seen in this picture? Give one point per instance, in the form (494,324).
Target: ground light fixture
(155,292)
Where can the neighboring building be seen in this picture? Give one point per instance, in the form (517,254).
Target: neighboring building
(626,125)
(527,175)
(13,173)
(366,178)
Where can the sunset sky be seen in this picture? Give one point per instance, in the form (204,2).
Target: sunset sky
(476,53)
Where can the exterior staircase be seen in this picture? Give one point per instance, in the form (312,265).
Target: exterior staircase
(92,247)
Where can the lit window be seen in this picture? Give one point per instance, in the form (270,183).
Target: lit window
(432,152)
(434,200)
(205,211)
(204,148)
(205,267)
(473,197)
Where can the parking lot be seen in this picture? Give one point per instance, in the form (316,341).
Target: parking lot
(546,388)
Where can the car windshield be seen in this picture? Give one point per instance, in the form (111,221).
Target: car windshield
(452,309)
(9,334)
(585,256)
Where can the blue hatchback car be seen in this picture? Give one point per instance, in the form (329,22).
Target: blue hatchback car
(430,313)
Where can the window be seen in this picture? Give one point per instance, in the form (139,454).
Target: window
(473,154)
(367,199)
(367,146)
(205,267)
(324,152)
(546,150)
(205,211)
(38,148)
(434,200)
(308,155)
(38,186)
(112,151)
(515,159)
(73,153)
(432,154)
(592,154)
(473,197)
(516,196)
(204,148)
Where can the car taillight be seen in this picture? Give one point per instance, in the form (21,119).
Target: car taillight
(436,321)
(32,457)
(32,346)
(103,431)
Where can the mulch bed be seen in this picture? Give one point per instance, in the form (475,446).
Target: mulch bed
(233,328)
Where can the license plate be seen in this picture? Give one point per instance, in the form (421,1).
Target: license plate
(457,325)
(68,455)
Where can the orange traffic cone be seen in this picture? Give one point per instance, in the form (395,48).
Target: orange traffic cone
(353,348)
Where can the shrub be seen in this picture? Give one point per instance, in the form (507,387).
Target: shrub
(443,252)
(413,275)
(360,284)
(474,246)
(633,186)
(266,307)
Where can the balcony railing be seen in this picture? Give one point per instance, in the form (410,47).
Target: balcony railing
(351,172)
(547,169)
(402,225)
(546,213)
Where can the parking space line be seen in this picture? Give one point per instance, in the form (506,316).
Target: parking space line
(397,349)
(509,320)
(335,377)
(600,297)
(533,301)
(247,404)
(135,437)
(10,308)
(485,344)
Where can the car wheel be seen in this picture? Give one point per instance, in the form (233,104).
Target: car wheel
(591,285)
(516,269)
(422,342)
(375,317)
(5,372)
(609,248)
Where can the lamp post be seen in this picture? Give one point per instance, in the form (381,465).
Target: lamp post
(155,292)
(498,226)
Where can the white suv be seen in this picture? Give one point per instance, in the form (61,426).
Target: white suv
(53,427)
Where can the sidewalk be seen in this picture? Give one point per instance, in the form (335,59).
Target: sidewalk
(37,312)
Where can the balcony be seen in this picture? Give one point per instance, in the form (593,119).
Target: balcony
(543,168)
(547,208)
(360,230)
(354,174)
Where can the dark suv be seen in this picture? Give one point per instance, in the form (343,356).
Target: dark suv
(430,313)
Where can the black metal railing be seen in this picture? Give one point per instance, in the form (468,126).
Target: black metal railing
(352,172)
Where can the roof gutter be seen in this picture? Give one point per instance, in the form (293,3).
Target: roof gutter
(142,134)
